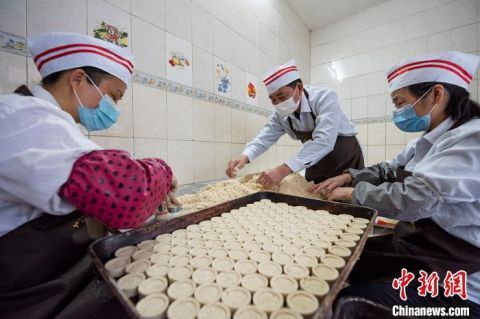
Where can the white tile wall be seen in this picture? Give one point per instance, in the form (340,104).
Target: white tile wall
(252,36)
(362,47)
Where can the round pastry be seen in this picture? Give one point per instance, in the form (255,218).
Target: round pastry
(268,300)
(228,279)
(179,241)
(181,260)
(137,267)
(356,231)
(333,261)
(232,244)
(160,258)
(126,251)
(254,282)
(250,312)
(285,313)
(204,276)
(183,309)
(206,294)
(142,254)
(302,302)
(146,244)
(284,284)
(314,285)
(180,233)
(325,272)
(217,253)
(340,251)
(358,225)
(200,262)
(252,246)
(215,310)
(116,266)
(236,297)
(296,271)
(259,256)
(162,248)
(194,234)
(129,284)
(292,249)
(181,289)
(271,247)
(222,264)
(282,258)
(345,216)
(196,243)
(199,251)
(152,307)
(164,238)
(361,220)
(300,242)
(346,243)
(306,260)
(193,228)
(158,270)
(245,267)
(214,243)
(180,250)
(269,269)
(350,237)
(179,273)
(152,286)
(238,254)
(315,251)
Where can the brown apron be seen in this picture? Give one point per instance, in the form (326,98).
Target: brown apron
(422,245)
(346,153)
(43,263)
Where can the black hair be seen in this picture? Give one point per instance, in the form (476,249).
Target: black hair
(293,84)
(96,74)
(460,107)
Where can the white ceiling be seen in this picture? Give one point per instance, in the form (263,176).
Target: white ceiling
(317,13)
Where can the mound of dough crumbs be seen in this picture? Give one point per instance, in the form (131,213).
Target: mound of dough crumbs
(214,194)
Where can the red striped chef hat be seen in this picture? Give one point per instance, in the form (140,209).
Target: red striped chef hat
(448,67)
(281,76)
(58,51)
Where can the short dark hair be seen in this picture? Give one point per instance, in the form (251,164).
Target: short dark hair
(293,84)
(96,74)
(460,107)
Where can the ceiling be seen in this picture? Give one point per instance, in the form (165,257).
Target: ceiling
(317,13)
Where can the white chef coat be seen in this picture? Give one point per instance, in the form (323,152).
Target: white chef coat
(330,122)
(445,185)
(39,143)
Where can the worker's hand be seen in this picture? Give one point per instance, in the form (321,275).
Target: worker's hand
(236,164)
(328,185)
(343,194)
(274,176)
(171,198)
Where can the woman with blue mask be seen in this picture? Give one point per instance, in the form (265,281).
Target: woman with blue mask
(432,187)
(56,184)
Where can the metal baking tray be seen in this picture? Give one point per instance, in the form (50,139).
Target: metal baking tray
(103,249)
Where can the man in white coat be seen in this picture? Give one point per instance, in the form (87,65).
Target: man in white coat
(311,115)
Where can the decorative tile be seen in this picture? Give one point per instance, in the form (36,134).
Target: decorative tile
(12,43)
(178,60)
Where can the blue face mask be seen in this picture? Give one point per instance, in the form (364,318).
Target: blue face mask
(408,121)
(100,118)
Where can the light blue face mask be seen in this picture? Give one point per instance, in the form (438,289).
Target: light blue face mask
(100,118)
(408,121)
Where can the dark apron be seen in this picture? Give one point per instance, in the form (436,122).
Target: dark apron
(346,153)
(421,245)
(43,263)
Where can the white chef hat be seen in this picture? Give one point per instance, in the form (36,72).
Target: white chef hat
(57,51)
(281,76)
(451,67)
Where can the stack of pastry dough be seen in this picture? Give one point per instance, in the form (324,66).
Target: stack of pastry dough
(220,192)
(265,260)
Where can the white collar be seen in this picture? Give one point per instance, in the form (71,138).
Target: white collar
(438,131)
(39,92)
(304,104)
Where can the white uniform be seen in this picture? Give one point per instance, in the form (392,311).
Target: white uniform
(330,122)
(445,185)
(39,144)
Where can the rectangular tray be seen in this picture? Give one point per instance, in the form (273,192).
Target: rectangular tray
(103,249)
